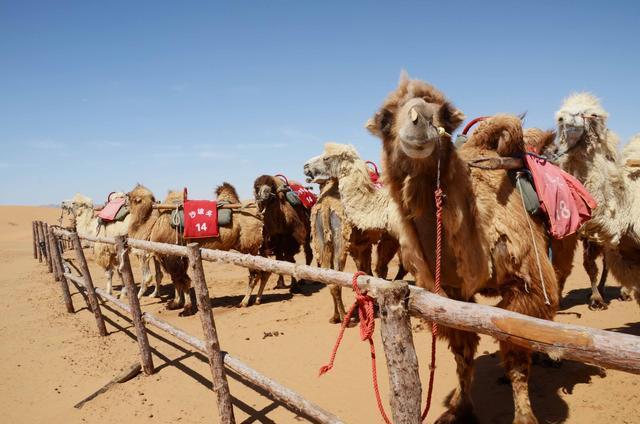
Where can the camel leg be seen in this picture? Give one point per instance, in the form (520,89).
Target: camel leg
(158,278)
(250,286)
(591,252)
(463,344)
(109,274)
(294,286)
(625,293)
(146,274)
(308,252)
(386,249)
(280,283)
(178,301)
(362,259)
(517,362)
(401,270)
(562,258)
(192,306)
(264,277)
(338,305)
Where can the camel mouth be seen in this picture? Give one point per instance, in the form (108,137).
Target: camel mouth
(418,147)
(569,135)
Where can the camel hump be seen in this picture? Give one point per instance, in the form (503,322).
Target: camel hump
(228,193)
(174,197)
(631,152)
(538,140)
(500,133)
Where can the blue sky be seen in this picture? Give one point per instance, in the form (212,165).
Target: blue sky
(96,96)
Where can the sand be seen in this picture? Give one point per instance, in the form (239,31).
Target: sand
(49,360)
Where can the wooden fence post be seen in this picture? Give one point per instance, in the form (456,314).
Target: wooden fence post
(41,247)
(54,251)
(136,312)
(216,360)
(45,229)
(59,265)
(35,239)
(402,362)
(88,285)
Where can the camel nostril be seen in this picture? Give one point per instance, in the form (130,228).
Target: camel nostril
(413,114)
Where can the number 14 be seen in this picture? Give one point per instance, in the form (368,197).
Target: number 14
(201,227)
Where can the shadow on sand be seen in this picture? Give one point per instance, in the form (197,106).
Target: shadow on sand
(493,399)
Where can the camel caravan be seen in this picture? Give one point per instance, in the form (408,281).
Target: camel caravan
(499,213)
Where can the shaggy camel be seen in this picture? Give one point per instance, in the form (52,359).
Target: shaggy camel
(244,235)
(366,212)
(286,227)
(588,152)
(542,142)
(86,224)
(484,247)
(333,237)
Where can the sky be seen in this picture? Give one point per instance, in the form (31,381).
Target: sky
(98,96)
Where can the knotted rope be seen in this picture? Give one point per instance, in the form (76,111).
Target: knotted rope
(364,303)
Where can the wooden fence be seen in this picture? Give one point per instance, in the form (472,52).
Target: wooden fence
(397,300)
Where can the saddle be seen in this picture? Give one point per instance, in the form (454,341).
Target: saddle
(114,210)
(296,194)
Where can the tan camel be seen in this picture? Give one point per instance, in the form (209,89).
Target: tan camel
(588,152)
(244,235)
(484,247)
(86,223)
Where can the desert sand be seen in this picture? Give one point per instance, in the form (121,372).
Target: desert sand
(50,360)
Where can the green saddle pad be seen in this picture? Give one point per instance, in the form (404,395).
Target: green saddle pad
(177,217)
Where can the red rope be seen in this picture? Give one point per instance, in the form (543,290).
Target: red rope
(364,303)
(472,123)
(434,325)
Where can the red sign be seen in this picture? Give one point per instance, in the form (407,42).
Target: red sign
(307,197)
(200,219)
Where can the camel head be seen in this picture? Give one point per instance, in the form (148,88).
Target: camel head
(80,203)
(266,190)
(226,192)
(140,201)
(335,162)
(413,119)
(580,118)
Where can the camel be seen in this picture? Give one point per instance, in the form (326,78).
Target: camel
(542,142)
(244,235)
(286,227)
(490,243)
(86,224)
(365,211)
(588,152)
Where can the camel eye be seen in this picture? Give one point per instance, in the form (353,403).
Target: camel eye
(560,119)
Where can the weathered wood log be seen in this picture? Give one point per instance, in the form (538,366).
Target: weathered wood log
(212,344)
(599,347)
(54,249)
(605,348)
(405,389)
(64,285)
(88,284)
(41,244)
(136,313)
(125,375)
(45,229)
(492,163)
(34,238)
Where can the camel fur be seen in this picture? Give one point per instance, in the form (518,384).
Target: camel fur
(86,224)
(286,227)
(244,235)
(590,155)
(484,246)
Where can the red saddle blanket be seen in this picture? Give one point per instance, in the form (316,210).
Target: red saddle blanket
(111,209)
(567,203)
(200,219)
(307,197)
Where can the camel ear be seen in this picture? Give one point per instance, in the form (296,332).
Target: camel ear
(450,117)
(404,78)
(380,124)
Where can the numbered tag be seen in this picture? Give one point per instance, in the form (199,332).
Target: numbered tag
(200,219)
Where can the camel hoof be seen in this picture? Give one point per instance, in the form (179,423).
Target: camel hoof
(188,311)
(460,415)
(335,319)
(244,304)
(173,305)
(258,301)
(624,296)
(597,304)
(154,294)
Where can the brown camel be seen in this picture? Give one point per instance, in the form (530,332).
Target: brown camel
(490,244)
(244,235)
(286,227)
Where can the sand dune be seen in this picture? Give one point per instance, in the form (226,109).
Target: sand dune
(49,360)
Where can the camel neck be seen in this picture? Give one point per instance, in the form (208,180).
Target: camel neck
(86,222)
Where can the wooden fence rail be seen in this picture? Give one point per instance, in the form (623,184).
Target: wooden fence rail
(584,344)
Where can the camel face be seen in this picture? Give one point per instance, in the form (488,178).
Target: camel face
(316,170)
(140,201)
(578,114)
(417,131)
(264,190)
